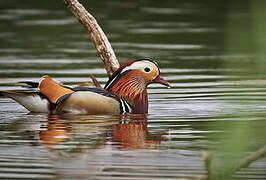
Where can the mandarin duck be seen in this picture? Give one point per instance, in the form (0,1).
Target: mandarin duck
(124,92)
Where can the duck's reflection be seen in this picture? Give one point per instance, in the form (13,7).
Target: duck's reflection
(124,132)
(132,133)
(56,131)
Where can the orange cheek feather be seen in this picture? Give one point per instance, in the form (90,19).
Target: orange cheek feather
(149,77)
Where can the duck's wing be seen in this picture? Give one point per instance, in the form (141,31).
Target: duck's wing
(83,100)
(89,102)
(32,101)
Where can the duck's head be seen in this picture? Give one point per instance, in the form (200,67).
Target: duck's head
(130,81)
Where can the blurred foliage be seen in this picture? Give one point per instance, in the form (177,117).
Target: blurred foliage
(246,39)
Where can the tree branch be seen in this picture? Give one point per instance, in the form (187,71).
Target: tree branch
(97,35)
(207,161)
(249,159)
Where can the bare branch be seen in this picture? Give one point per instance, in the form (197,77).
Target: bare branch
(97,35)
(207,160)
(250,159)
(260,153)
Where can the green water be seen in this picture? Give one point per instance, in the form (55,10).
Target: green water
(210,51)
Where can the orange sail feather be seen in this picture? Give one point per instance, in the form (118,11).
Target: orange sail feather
(52,90)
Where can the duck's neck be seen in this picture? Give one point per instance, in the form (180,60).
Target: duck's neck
(133,89)
(140,103)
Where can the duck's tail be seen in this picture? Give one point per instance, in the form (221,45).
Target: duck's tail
(32,101)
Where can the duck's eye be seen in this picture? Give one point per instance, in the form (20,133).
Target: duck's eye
(147,69)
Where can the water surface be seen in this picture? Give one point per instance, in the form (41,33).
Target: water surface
(216,103)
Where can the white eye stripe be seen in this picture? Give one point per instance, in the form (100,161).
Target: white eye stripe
(141,65)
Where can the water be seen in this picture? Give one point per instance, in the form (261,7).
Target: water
(216,103)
